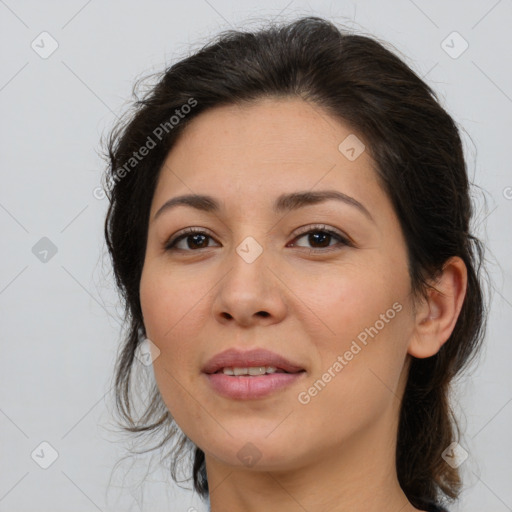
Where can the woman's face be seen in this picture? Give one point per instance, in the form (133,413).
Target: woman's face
(340,312)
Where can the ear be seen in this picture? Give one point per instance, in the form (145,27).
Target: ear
(436,317)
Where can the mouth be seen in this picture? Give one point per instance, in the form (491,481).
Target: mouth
(252,371)
(252,362)
(253,374)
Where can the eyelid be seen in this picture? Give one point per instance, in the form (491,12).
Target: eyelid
(175,238)
(325,228)
(342,241)
(303,230)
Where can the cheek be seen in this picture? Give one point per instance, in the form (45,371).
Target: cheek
(363,346)
(171,309)
(168,302)
(356,385)
(345,302)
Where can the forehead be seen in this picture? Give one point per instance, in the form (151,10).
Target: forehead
(262,149)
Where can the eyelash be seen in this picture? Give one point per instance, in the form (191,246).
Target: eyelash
(320,228)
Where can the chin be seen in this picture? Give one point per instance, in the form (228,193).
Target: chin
(259,451)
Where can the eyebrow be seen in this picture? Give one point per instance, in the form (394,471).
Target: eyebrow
(284,203)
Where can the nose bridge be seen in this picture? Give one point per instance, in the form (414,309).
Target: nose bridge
(249,288)
(248,269)
(250,250)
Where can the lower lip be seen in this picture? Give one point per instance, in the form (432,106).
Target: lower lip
(243,387)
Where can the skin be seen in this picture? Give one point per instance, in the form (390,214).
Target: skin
(337,452)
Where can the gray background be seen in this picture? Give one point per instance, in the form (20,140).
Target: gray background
(60,317)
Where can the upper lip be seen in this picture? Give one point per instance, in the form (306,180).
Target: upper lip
(233,358)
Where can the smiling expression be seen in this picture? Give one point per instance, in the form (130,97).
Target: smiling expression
(294,249)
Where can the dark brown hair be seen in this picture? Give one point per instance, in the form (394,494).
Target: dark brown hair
(419,162)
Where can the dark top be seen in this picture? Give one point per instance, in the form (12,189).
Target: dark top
(435,508)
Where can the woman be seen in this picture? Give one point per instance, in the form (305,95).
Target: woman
(289,227)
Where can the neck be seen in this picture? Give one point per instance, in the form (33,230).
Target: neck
(358,476)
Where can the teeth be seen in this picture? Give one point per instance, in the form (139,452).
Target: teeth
(253,370)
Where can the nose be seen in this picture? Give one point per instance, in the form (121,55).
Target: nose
(250,293)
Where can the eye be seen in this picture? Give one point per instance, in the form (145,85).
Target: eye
(321,235)
(194,238)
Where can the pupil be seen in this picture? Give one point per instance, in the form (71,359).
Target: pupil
(321,235)
(194,237)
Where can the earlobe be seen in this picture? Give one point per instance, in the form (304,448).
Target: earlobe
(437,315)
